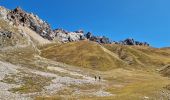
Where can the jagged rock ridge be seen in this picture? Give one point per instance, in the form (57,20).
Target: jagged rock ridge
(20,17)
(131,41)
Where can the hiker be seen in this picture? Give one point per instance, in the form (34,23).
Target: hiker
(99,78)
(95,78)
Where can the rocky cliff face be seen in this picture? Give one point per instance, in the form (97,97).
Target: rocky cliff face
(20,17)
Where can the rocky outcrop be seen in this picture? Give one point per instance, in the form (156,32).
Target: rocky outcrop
(98,39)
(65,36)
(88,35)
(103,39)
(131,41)
(20,17)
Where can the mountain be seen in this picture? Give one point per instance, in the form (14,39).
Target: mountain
(41,63)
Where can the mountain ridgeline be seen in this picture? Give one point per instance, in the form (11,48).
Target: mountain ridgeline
(20,17)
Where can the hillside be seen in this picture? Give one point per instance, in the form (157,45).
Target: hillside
(39,63)
(143,56)
(83,54)
(165,70)
(92,55)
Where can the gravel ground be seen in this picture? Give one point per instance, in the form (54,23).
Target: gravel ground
(58,82)
(7,69)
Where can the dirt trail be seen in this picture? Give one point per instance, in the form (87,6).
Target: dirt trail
(110,53)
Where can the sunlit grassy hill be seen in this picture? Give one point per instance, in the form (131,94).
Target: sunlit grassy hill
(145,57)
(83,54)
(107,56)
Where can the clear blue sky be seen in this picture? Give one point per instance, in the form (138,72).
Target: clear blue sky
(144,20)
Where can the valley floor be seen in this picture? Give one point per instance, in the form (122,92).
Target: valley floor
(31,77)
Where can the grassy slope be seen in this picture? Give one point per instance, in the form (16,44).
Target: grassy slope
(165,70)
(84,54)
(90,55)
(145,57)
(125,84)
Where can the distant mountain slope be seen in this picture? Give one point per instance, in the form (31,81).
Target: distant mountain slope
(84,54)
(147,57)
(107,56)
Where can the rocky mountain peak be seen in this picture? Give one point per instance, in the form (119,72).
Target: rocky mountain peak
(20,17)
(19,10)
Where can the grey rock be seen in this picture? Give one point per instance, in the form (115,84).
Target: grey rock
(98,39)
(20,17)
(88,35)
(131,41)
(65,36)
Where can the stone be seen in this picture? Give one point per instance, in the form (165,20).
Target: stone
(130,41)
(98,39)
(105,40)
(65,36)
(88,35)
(6,34)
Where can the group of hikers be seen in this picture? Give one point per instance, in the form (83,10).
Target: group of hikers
(97,78)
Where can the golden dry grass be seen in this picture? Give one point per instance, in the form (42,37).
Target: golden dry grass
(135,83)
(83,54)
